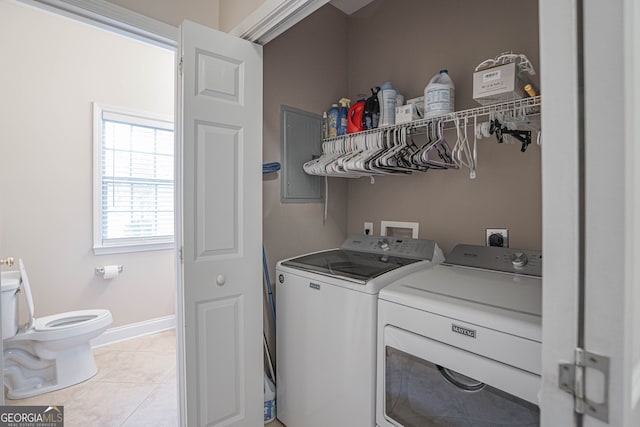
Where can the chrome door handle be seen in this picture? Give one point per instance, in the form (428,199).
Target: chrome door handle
(8,261)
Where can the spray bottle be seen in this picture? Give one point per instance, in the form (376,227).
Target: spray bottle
(325,125)
(333,121)
(343,114)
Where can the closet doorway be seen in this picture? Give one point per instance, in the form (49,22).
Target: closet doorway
(218,260)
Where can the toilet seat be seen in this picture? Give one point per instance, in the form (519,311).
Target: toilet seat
(64,325)
(58,326)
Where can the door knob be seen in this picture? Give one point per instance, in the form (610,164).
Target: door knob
(8,261)
(220,280)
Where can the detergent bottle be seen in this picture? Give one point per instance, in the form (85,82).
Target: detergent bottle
(269,400)
(343,115)
(439,95)
(355,116)
(371,115)
(333,121)
(387,101)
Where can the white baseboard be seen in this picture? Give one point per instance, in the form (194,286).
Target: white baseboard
(134,330)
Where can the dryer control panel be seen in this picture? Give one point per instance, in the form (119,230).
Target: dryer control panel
(508,260)
(391,246)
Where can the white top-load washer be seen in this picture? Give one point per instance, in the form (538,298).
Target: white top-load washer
(459,344)
(326,311)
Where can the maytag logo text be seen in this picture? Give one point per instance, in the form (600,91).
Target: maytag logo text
(463,331)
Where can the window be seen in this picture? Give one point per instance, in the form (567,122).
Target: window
(134,181)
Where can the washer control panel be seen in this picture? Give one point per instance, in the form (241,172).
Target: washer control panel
(507,260)
(391,246)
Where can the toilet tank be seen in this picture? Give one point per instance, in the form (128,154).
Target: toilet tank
(9,301)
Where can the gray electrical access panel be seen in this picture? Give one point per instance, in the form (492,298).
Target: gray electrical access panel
(301,141)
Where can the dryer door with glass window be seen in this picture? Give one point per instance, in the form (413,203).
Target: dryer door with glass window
(429,383)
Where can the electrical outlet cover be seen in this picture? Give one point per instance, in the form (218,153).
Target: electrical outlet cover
(368,228)
(504,232)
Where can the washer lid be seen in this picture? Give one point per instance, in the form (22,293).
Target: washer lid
(27,292)
(357,266)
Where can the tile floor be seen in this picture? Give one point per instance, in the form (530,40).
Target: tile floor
(135,387)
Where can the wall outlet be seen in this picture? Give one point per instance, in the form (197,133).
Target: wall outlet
(497,237)
(368,228)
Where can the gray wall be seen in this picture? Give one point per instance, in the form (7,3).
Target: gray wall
(297,73)
(407,42)
(302,69)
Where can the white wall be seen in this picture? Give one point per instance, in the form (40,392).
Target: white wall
(233,12)
(52,68)
(173,12)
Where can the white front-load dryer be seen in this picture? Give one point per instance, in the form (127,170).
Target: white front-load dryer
(459,344)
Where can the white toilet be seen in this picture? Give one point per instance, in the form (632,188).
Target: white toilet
(49,353)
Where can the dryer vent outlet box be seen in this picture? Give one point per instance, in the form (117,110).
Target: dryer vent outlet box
(497,237)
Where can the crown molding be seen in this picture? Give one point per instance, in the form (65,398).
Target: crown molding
(273,17)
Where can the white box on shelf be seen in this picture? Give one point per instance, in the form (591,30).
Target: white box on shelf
(406,113)
(419,103)
(498,84)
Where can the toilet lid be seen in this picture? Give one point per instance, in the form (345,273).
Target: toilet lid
(27,291)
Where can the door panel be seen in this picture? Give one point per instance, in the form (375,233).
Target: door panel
(220,77)
(219,360)
(217,230)
(221,205)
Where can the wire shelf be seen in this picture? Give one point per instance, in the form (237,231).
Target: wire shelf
(524,106)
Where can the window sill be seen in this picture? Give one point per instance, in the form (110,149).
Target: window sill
(121,249)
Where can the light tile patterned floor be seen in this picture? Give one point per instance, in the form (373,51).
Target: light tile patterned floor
(135,387)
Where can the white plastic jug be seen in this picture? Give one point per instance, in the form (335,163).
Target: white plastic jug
(439,95)
(269,400)
(387,101)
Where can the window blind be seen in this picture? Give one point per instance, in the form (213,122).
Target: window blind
(137,179)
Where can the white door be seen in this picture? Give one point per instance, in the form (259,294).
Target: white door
(591,205)
(221,213)
(560,203)
(612,202)
(3,262)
